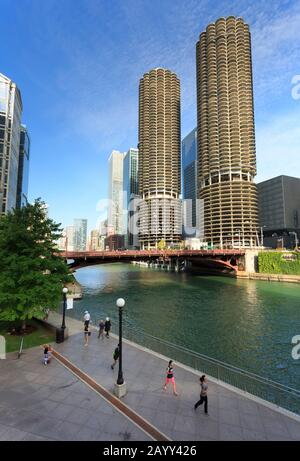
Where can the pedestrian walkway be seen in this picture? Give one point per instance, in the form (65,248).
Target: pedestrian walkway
(50,402)
(231,415)
(43,403)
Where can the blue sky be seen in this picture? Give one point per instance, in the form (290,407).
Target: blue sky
(78,64)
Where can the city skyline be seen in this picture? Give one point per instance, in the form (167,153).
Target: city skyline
(74,146)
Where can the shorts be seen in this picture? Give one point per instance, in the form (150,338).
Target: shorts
(170,379)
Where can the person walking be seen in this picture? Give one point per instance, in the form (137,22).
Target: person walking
(47,354)
(87,318)
(170,377)
(203,394)
(101,329)
(107,326)
(87,333)
(116,355)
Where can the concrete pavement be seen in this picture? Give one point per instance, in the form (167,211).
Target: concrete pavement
(51,403)
(39,402)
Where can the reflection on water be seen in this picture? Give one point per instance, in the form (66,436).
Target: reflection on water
(247,323)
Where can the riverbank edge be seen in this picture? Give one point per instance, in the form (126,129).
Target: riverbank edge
(75,290)
(289,278)
(238,391)
(268,277)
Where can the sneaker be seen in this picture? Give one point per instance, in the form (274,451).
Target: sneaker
(206,414)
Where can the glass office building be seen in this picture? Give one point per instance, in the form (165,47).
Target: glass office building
(130,187)
(115,208)
(10,127)
(279,211)
(80,234)
(189,180)
(23,169)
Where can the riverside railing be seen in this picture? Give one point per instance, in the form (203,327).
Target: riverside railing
(266,389)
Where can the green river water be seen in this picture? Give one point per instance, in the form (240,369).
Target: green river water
(246,323)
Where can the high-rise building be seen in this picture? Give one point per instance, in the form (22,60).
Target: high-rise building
(65,242)
(226,138)
(10,126)
(102,239)
(115,208)
(61,243)
(103,227)
(80,234)
(94,244)
(130,189)
(114,242)
(279,211)
(159,158)
(189,176)
(69,238)
(23,169)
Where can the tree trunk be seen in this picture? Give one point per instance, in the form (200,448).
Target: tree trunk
(23,327)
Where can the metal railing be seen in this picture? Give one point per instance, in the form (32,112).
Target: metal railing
(264,388)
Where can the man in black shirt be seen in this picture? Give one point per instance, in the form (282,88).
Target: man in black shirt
(115,356)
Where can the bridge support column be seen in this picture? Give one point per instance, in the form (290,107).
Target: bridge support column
(250,261)
(187,264)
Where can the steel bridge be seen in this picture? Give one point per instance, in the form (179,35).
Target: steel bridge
(218,259)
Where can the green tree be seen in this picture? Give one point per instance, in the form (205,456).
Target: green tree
(32,272)
(161,245)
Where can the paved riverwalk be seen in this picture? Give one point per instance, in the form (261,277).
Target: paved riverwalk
(40,402)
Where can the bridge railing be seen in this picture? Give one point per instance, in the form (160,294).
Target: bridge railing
(266,389)
(149,253)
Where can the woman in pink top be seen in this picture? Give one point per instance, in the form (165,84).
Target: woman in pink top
(170,377)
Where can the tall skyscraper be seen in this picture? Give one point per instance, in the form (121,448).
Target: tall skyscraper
(115,208)
(189,174)
(69,236)
(159,158)
(94,243)
(226,138)
(130,188)
(10,126)
(80,234)
(23,169)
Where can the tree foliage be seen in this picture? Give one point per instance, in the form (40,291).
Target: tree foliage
(32,272)
(162,245)
(275,263)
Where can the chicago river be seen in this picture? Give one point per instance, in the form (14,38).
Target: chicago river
(245,323)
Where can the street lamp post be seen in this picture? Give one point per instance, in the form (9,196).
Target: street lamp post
(120,386)
(63,325)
